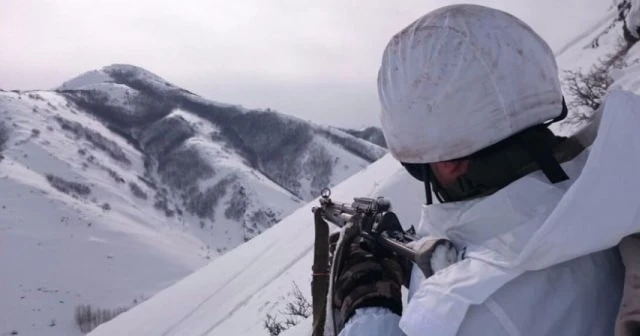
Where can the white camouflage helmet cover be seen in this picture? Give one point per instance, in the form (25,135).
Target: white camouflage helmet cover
(462,78)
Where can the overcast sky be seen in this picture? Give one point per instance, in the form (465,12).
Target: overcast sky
(316,59)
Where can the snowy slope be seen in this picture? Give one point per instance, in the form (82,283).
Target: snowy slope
(232,294)
(59,250)
(118,184)
(258,276)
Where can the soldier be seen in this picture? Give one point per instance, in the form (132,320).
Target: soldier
(467,94)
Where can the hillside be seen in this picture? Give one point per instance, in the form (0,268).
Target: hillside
(118,183)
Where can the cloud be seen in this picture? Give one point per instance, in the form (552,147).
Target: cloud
(316,59)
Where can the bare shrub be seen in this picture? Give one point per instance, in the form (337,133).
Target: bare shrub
(35,96)
(114,175)
(203,204)
(166,135)
(297,309)
(148,181)
(238,204)
(299,306)
(258,221)
(95,138)
(4,138)
(4,135)
(68,187)
(137,191)
(589,89)
(162,203)
(273,326)
(182,169)
(88,318)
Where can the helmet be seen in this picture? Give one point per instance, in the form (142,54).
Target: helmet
(463,78)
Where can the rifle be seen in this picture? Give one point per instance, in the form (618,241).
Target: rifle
(378,225)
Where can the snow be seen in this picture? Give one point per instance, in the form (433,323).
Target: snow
(261,192)
(59,251)
(345,163)
(583,53)
(111,249)
(117,94)
(232,295)
(627,78)
(250,278)
(88,78)
(203,127)
(67,252)
(304,328)
(604,20)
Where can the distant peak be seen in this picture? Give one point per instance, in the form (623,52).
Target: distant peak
(132,70)
(124,67)
(126,74)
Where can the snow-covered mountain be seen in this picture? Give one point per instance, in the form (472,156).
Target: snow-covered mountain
(258,277)
(118,183)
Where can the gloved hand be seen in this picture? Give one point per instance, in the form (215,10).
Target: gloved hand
(367,276)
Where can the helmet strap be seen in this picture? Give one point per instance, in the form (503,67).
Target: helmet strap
(426,174)
(542,153)
(563,114)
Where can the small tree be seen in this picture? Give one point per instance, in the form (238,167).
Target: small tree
(588,89)
(273,326)
(295,310)
(300,306)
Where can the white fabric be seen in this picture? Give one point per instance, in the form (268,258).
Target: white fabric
(539,256)
(372,322)
(447,85)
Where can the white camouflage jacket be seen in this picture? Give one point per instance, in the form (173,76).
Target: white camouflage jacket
(541,258)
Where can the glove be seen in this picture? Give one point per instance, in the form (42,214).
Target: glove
(435,254)
(366,276)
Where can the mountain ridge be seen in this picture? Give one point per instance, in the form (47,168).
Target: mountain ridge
(126,169)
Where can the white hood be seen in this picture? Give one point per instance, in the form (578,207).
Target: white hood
(591,212)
